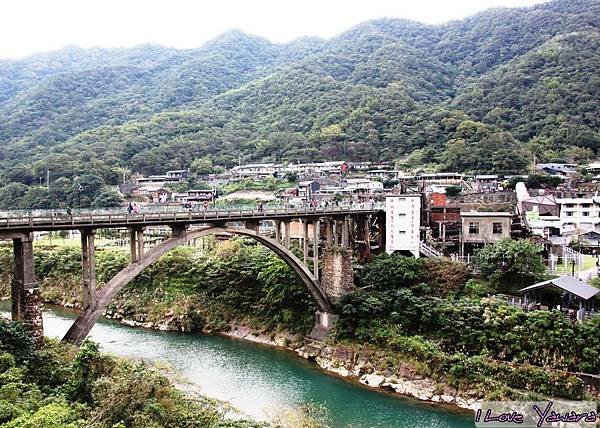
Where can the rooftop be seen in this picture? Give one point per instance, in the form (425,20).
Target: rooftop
(568,283)
(485,214)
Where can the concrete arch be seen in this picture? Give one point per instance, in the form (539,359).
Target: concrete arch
(86,320)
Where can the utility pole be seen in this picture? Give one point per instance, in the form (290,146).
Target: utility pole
(48,179)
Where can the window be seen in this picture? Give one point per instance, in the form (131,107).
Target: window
(569,214)
(474,228)
(496,227)
(586,205)
(570,205)
(585,213)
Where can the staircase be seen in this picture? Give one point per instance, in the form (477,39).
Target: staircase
(428,251)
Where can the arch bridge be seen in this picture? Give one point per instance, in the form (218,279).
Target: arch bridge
(329,238)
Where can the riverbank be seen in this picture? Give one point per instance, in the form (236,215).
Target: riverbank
(355,363)
(414,328)
(263,382)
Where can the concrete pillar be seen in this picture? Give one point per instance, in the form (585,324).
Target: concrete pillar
(329,232)
(287,233)
(133,245)
(305,241)
(345,233)
(316,227)
(88,270)
(253,225)
(337,277)
(335,233)
(324,323)
(26,305)
(139,241)
(278,231)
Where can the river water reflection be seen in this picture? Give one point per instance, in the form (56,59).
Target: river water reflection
(257,379)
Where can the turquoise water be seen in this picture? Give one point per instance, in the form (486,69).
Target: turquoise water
(258,380)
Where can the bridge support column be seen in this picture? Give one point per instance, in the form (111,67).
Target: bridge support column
(337,276)
(253,225)
(136,244)
(329,233)
(345,233)
(278,231)
(305,241)
(88,270)
(335,233)
(25,290)
(316,227)
(324,322)
(287,233)
(366,232)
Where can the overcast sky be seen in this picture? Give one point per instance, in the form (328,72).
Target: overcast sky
(28,26)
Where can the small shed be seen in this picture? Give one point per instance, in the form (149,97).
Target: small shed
(565,292)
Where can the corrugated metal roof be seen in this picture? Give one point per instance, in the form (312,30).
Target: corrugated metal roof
(568,283)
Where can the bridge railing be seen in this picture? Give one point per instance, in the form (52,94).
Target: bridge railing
(33,218)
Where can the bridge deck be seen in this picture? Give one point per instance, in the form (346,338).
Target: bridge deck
(50,221)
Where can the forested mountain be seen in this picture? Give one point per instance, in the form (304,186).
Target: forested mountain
(482,94)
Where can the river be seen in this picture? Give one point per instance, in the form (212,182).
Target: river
(256,379)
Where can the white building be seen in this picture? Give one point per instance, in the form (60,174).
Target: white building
(322,168)
(403,223)
(257,170)
(579,214)
(565,169)
(363,185)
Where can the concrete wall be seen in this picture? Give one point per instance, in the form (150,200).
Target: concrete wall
(485,235)
(337,275)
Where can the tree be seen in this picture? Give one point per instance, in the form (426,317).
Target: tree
(38,197)
(107,198)
(12,195)
(510,264)
(453,190)
(202,166)
(391,272)
(86,189)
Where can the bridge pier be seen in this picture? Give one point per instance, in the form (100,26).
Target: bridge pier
(26,305)
(316,231)
(136,244)
(286,227)
(253,225)
(88,269)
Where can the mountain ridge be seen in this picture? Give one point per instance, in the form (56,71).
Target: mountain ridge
(383,90)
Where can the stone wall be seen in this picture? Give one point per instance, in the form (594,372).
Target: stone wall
(337,277)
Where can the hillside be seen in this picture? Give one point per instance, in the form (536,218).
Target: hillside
(481,94)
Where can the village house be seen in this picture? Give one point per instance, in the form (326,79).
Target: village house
(194,196)
(480,228)
(579,214)
(258,170)
(306,189)
(562,169)
(156,194)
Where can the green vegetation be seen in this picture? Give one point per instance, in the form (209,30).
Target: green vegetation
(534,181)
(188,288)
(425,314)
(467,341)
(484,94)
(60,387)
(511,264)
